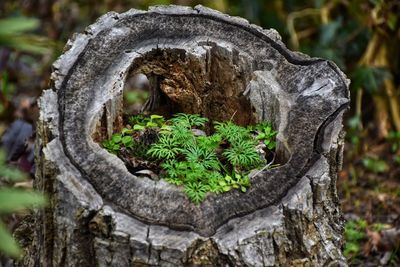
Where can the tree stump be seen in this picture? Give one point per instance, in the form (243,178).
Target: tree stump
(201,61)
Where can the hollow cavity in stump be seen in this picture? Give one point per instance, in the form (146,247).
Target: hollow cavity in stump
(210,86)
(302,97)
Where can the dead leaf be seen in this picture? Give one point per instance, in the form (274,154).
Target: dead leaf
(374,238)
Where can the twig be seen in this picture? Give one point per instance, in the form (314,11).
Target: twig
(265,167)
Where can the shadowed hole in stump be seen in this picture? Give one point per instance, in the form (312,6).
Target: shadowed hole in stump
(136,92)
(211,85)
(210,82)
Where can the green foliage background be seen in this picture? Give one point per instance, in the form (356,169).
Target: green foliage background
(13,200)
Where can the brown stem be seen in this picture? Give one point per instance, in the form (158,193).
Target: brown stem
(359,106)
(381,116)
(393,99)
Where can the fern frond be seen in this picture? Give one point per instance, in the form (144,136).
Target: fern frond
(165,148)
(196,192)
(243,153)
(174,181)
(189,120)
(231,132)
(194,172)
(208,159)
(182,135)
(209,143)
(193,154)
(170,167)
(211,161)
(213,182)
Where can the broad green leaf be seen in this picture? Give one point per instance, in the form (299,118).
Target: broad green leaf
(166,127)
(222,183)
(226,188)
(375,165)
(12,174)
(370,78)
(261,136)
(151,124)
(116,138)
(228,178)
(12,200)
(138,127)
(11,26)
(8,246)
(155,116)
(126,140)
(126,131)
(27,43)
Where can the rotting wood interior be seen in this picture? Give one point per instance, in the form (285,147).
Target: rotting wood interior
(211,86)
(181,82)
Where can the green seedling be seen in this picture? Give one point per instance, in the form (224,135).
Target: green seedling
(266,134)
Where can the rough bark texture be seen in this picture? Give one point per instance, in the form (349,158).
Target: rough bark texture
(204,62)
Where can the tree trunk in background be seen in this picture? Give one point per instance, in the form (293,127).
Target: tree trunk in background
(207,63)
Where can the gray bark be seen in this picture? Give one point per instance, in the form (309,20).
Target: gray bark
(207,63)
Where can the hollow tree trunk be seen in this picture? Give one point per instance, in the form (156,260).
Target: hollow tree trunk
(220,67)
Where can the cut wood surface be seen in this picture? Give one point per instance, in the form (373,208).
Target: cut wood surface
(198,61)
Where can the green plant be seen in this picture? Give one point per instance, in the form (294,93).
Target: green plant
(139,122)
(375,165)
(132,97)
(242,153)
(196,191)
(215,163)
(396,159)
(189,120)
(13,34)
(14,200)
(354,233)
(231,132)
(394,139)
(267,134)
(166,148)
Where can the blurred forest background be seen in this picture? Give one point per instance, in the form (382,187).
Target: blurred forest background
(361,36)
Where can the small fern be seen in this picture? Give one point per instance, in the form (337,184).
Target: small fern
(196,191)
(209,143)
(189,120)
(183,135)
(216,163)
(165,148)
(231,132)
(208,159)
(214,182)
(242,153)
